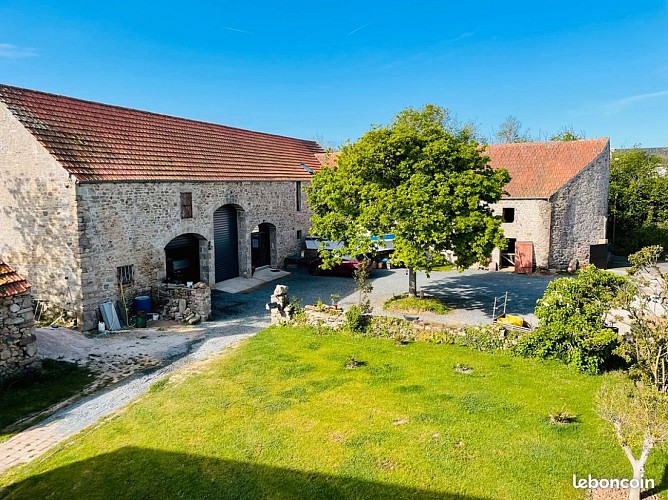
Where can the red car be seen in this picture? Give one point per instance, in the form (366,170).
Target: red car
(344,268)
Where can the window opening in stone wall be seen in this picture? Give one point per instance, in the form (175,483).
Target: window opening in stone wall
(299,234)
(508,215)
(298,195)
(125,275)
(186,205)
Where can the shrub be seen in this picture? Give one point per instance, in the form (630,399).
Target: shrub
(571,318)
(387,327)
(485,338)
(562,417)
(356,320)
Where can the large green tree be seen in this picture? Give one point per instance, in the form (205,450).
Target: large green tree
(420,178)
(638,205)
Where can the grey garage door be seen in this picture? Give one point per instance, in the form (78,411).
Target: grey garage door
(226,244)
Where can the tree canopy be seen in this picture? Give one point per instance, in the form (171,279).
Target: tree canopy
(419,178)
(638,205)
(511,131)
(567,134)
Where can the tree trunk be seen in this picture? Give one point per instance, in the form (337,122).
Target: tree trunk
(634,493)
(639,466)
(412,283)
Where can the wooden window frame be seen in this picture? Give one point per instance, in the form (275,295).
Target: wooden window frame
(125,275)
(187,205)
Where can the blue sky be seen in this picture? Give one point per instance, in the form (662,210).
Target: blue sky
(328,70)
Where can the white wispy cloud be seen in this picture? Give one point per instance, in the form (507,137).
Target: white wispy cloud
(619,104)
(10,51)
(359,28)
(238,30)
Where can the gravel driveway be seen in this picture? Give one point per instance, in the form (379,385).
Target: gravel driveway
(471,293)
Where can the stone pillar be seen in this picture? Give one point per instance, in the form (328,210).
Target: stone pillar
(17,334)
(279,305)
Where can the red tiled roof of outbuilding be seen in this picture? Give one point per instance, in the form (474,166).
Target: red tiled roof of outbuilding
(11,282)
(100,142)
(540,169)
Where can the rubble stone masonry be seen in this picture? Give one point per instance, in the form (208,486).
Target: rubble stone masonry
(130,223)
(38,218)
(17,337)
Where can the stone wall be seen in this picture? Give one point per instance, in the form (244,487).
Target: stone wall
(131,223)
(532,223)
(172,301)
(579,212)
(17,336)
(38,218)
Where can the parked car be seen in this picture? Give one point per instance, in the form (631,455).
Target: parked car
(344,268)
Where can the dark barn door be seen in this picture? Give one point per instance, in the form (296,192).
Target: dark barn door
(182,258)
(261,246)
(226,243)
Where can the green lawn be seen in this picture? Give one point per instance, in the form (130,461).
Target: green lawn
(403,303)
(282,417)
(22,397)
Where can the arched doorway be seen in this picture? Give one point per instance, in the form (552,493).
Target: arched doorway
(263,242)
(183,256)
(226,242)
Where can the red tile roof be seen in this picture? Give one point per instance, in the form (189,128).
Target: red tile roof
(539,169)
(11,283)
(96,141)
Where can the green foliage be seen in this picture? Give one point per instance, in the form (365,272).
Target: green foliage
(418,178)
(403,303)
(391,328)
(646,350)
(356,320)
(511,131)
(567,134)
(638,205)
(38,389)
(360,275)
(639,413)
(487,338)
(562,416)
(571,318)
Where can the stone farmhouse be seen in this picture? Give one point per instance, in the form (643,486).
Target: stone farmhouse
(556,206)
(97,199)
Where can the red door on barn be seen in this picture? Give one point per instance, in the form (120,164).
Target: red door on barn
(523,257)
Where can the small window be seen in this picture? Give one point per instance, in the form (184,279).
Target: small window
(298,194)
(186,205)
(299,234)
(125,275)
(508,215)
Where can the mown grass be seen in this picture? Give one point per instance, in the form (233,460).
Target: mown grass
(403,303)
(284,416)
(36,391)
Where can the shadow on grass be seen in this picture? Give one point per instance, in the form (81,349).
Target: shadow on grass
(146,473)
(661,486)
(37,390)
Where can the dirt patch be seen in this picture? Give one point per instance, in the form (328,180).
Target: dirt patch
(118,355)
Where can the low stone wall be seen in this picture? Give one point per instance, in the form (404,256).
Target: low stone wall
(181,303)
(17,336)
(324,316)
